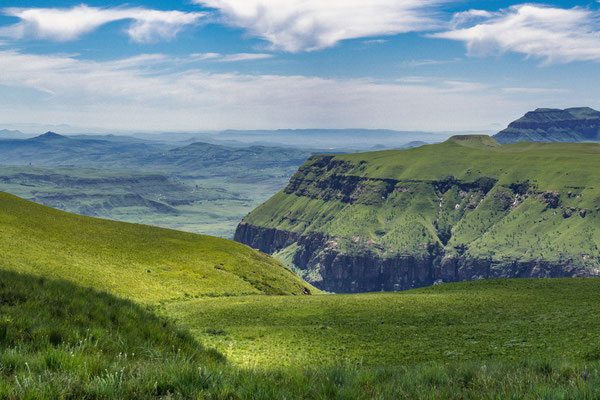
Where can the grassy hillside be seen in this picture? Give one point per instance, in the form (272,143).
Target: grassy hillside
(139,262)
(457,204)
(61,341)
(58,340)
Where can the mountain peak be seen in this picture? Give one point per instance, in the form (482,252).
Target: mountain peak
(50,136)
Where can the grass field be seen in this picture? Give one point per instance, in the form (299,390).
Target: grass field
(497,320)
(61,341)
(58,340)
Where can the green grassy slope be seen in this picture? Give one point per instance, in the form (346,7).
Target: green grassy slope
(466,198)
(510,339)
(58,340)
(487,321)
(139,262)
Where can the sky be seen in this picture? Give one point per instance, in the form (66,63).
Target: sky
(203,65)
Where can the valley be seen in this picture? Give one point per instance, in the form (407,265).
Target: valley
(121,310)
(198,187)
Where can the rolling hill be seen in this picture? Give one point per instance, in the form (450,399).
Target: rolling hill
(142,263)
(580,124)
(464,209)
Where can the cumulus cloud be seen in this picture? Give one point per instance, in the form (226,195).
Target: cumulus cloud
(146,92)
(554,34)
(305,25)
(64,24)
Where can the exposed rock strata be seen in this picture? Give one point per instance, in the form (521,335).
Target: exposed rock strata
(368,272)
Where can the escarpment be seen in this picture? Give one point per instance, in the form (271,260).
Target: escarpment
(465,209)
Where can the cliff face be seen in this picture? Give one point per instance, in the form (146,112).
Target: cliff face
(553,125)
(461,210)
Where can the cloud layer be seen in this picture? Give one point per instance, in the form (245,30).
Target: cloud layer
(305,25)
(145,92)
(553,34)
(69,24)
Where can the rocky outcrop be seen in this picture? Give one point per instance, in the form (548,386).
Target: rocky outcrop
(366,271)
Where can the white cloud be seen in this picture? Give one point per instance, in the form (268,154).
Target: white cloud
(218,57)
(421,63)
(146,93)
(554,34)
(305,25)
(533,90)
(63,24)
(245,57)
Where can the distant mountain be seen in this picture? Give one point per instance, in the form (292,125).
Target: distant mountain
(8,134)
(339,139)
(49,136)
(553,125)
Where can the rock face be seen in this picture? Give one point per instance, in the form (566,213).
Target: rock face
(369,272)
(553,125)
(465,209)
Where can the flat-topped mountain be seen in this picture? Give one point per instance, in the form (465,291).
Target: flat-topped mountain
(464,209)
(580,124)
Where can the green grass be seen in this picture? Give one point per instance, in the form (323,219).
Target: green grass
(142,263)
(62,336)
(58,340)
(61,341)
(497,320)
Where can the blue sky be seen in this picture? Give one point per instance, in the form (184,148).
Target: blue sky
(434,65)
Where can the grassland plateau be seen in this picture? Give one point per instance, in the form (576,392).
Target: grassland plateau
(464,209)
